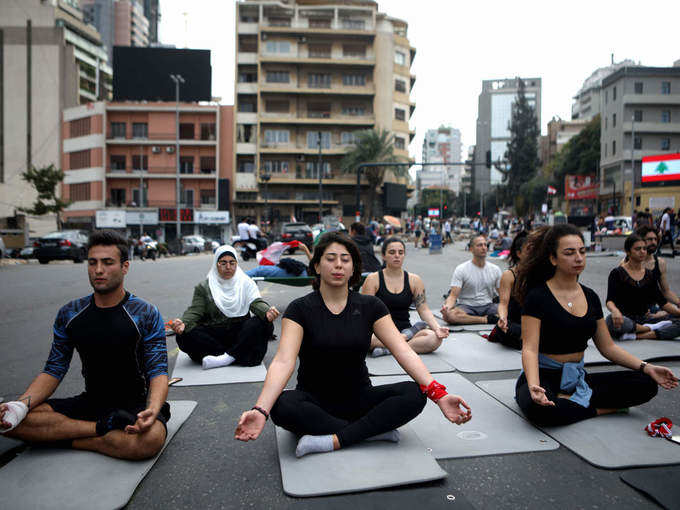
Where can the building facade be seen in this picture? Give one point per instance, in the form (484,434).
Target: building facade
(494,116)
(587,101)
(112,150)
(309,74)
(441,145)
(152,12)
(640,117)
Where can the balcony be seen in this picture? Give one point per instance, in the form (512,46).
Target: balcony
(305,177)
(304,58)
(247,57)
(300,148)
(341,90)
(247,28)
(652,99)
(246,87)
(245,181)
(307,26)
(315,118)
(158,172)
(652,127)
(246,118)
(115,138)
(246,148)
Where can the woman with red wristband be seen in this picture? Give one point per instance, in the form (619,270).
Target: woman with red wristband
(334,404)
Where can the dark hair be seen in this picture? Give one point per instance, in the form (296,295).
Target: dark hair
(227,254)
(631,240)
(358,227)
(517,243)
(646,229)
(324,242)
(536,269)
(109,238)
(391,240)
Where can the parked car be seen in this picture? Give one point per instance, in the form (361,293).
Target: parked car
(28,251)
(64,245)
(193,244)
(297,231)
(3,250)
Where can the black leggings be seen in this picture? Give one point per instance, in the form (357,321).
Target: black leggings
(512,339)
(371,411)
(611,390)
(246,341)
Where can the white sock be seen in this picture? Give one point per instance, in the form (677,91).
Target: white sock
(379,351)
(15,412)
(390,435)
(628,336)
(314,444)
(658,325)
(217,361)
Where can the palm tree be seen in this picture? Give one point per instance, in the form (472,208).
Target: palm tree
(373,146)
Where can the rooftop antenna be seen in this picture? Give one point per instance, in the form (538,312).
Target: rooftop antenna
(186,29)
(612,55)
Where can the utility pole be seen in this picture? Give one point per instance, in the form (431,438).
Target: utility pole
(319,163)
(141,189)
(632,164)
(177,78)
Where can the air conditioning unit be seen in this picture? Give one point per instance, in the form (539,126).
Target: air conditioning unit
(170,149)
(156,149)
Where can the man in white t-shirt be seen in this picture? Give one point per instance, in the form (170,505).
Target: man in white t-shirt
(474,285)
(243,230)
(665,227)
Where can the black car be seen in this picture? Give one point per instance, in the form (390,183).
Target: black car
(297,232)
(64,245)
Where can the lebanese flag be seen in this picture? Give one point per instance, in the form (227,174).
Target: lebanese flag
(551,190)
(271,255)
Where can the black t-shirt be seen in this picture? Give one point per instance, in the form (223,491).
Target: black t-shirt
(334,347)
(561,332)
(633,297)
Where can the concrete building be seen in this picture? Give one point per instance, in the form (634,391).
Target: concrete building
(307,67)
(559,133)
(120,22)
(493,124)
(645,100)
(587,101)
(441,145)
(50,60)
(152,12)
(114,149)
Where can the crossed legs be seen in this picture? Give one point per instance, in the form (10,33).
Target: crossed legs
(423,342)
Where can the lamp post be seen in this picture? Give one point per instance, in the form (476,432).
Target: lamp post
(265,178)
(319,164)
(177,78)
(632,165)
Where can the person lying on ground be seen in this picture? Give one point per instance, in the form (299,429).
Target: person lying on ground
(287,267)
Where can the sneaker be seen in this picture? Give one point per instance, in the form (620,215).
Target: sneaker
(493,336)
(492,318)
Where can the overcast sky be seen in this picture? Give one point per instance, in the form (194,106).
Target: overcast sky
(460,43)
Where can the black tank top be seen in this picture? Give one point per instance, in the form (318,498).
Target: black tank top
(514,308)
(656,272)
(397,304)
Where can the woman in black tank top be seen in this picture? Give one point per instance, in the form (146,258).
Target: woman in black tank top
(398,290)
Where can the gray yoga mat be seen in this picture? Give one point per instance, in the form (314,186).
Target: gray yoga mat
(387,365)
(366,466)
(660,484)
(613,441)
(462,327)
(493,430)
(54,478)
(192,374)
(469,352)
(644,349)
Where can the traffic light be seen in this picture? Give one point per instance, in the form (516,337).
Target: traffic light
(488,159)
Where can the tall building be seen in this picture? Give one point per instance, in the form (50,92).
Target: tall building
(441,145)
(50,60)
(152,12)
(587,101)
(494,116)
(309,74)
(111,150)
(120,22)
(640,117)
(559,133)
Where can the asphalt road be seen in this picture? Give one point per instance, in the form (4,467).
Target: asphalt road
(205,467)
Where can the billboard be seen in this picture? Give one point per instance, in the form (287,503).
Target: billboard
(662,170)
(148,217)
(580,187)
(109,218)
(211,217)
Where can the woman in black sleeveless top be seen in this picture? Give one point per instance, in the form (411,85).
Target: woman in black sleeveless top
(398,290)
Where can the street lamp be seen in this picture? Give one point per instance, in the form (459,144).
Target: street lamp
(177,78)
(266,178)
(319,164)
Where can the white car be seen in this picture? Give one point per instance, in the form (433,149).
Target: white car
(192,244)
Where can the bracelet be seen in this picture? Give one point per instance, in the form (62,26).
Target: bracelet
(259,409)
(434,391)
(642,367)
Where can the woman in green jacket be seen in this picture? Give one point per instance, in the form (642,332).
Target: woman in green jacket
(218,329)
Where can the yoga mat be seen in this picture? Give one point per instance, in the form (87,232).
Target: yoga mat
(361,467)
(493,430)
(7,443)
(660,484)
(469,352)
(59,478)
(192,374)
(387,365)
(613,441)
(644,349)
(462,327)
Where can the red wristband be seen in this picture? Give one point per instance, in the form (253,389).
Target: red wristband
(434,391)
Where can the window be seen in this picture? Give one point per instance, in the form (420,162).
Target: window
(79,192)
(246,107)
(186,164)
(208,131)
(637,115)
(354,50)
(80,127)
(665,87)
(186,131)
(244,133)
(278,106)
(277,47)
(614,148)
(276,136)
(208,164)
(347,138)
(354,80)
(208,197)
(353,24)
(353,110)
(245,167)
(637,142)
(400,58)
(606,96)
(117,197)
(118,130)
(613,120)
(319,22)
(399,114)
(319,50)
(319,80)
(117,162)
(614,94)
(247,77)
(665,116)
(311,172)
(279,22)
(399,143)
(400,85)
(605,150)
(140,130)
(79,159)
(606,123)
(319,110)
(135,196)
(278,77)
(665,144)
(638,87)
(186,197)
(275,166)
(313,140)
(140,162)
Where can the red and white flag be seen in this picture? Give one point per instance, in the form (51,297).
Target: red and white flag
(551,190)
(272,254)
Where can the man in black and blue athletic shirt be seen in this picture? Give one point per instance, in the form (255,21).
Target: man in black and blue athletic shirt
(121,342)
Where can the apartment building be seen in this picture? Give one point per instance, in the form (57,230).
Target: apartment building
(309,74)
(121,156)
(640,117)
(442,145)
(588,101)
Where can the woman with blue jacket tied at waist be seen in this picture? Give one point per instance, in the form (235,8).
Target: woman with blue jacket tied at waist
(559,315)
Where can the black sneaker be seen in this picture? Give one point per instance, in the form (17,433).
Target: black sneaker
(491,318)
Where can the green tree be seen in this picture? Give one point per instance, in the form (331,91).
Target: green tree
(579,156)
(373,146)
(522,151)
(45,181)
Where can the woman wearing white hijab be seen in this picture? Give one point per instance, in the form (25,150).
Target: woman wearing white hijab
(218,329)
